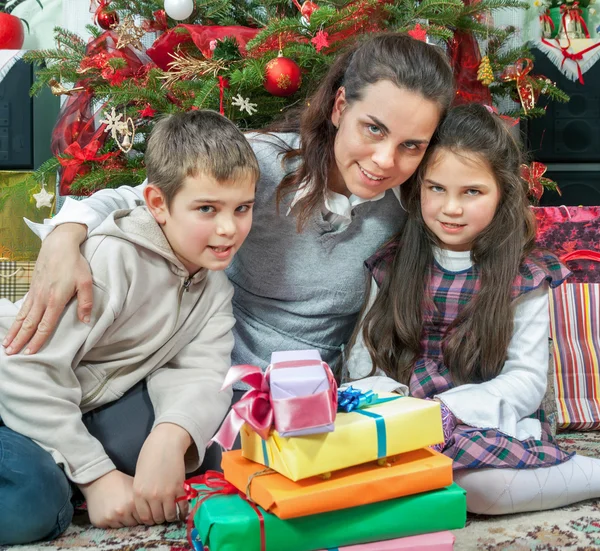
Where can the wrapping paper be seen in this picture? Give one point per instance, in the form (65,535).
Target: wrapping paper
(399,426)
(303,393)
(229,523)
(411,473)
(15,279)
(17,241)
(439,541)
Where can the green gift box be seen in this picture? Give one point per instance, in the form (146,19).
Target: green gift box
(17,241)
(230,523)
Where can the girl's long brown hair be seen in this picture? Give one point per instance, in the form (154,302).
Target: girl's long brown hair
(476,342)
(408,63)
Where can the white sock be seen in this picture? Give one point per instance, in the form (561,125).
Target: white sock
(505,491)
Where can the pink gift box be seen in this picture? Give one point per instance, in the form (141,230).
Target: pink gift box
(303,393)
(436,541)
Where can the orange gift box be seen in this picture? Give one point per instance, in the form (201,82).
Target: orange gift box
(406,474)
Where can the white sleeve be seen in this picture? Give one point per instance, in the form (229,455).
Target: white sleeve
(93,210)
(359,363)
(505,402)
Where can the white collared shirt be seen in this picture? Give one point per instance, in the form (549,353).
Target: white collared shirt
(337,208)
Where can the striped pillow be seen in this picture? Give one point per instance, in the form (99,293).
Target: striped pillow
(575,331)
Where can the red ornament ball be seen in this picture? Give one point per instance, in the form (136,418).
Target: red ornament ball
(282,76)
(12,35)
(107,19)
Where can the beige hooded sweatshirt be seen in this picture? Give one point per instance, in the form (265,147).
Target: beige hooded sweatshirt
(151,321)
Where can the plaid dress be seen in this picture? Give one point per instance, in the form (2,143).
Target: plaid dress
(469,447)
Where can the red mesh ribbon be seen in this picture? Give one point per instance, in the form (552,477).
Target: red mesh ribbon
(158,24)
(76,124)
(466,58)
(201,35)
(215,485)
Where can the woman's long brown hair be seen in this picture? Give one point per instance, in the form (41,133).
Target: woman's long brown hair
(408,63)
(476,342)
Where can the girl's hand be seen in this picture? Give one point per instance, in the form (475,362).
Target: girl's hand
(160,474)
(60,272)
(110,501)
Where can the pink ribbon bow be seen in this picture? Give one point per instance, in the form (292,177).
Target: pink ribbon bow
(261,411)
(254,407)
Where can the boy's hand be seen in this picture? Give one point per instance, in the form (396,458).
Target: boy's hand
(160,474)
(110,501)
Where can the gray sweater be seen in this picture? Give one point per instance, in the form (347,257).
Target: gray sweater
(301,290)
(292,291)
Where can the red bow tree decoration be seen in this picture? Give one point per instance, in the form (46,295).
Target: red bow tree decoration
(75,138)
(533,174)
(74,158)
(519,72)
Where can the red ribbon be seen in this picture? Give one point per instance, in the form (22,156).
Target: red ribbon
(158,24)
(584,254)
(545,18)
(576,57)
(533,175)
(79,155)
(217,485)
(223,83)
(518,72)
(574,12)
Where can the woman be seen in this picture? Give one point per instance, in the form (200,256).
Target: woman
(327,199)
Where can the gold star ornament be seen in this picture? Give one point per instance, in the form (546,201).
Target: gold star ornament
(129,34)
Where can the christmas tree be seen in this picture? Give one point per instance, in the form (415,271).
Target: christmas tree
(252,60)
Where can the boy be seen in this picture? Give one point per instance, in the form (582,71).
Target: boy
(162,313)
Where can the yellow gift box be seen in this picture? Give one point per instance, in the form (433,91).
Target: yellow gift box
(370,434)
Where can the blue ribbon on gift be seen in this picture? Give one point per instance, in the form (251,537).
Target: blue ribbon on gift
(354,400)
(265,455)
(351,399)
(196,541)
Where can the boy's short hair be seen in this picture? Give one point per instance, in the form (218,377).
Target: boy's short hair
(195,142)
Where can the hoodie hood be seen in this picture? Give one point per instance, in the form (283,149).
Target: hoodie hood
(139,227)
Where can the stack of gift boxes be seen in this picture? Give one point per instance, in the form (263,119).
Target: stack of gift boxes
(332,469)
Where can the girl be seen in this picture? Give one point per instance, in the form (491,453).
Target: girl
(459,313)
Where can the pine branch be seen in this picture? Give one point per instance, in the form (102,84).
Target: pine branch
(46,171)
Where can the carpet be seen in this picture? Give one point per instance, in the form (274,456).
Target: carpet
(572,528)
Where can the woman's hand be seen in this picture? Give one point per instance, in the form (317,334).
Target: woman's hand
(60,272)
